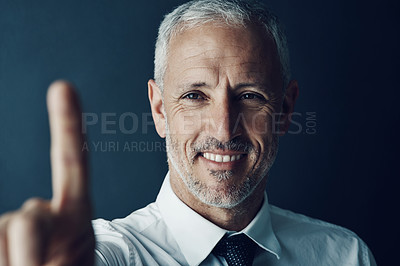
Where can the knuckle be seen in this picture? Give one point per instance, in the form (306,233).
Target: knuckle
(33,204)
(4,218)
(70,160)
(67,157)
(4,223)
(25,222)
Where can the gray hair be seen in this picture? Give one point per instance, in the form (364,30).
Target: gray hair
(229,12)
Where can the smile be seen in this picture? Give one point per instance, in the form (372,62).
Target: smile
(219,158)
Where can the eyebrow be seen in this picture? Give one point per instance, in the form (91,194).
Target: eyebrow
(195,85)
(192,85)
(203,84)
(259,86)
(198,84)
(247,84)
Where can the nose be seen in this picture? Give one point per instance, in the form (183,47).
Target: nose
(224,119)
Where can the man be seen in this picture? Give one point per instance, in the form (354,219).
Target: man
(221,97)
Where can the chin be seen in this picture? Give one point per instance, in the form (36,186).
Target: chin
(222,195)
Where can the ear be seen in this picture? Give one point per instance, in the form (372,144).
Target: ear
(289,100)
(157,108)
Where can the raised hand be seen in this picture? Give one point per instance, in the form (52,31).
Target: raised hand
(59,231)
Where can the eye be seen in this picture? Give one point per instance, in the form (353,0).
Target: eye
(251,96)
(193,96)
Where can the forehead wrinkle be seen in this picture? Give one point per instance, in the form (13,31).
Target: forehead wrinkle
(221,64)
(219,59)
(243,75)
(209,57)
(194,68)
(214,49)
(239,64)
(252,75)
(244,68)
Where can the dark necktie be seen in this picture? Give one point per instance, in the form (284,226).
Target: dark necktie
(237,250)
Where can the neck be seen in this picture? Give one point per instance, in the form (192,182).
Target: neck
(232,219)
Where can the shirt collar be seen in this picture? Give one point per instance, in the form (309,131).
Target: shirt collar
(260,230)
(188,227)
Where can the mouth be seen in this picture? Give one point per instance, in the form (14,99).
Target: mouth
(222,158)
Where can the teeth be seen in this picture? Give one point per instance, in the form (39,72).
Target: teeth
(221,158)
(226,158)
(212,157)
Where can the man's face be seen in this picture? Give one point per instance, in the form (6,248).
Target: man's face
(222,91)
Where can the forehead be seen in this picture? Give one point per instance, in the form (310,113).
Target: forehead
(238,52)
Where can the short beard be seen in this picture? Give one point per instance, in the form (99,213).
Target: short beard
(232,195)
(221,175)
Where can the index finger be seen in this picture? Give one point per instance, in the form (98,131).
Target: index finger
(68,160)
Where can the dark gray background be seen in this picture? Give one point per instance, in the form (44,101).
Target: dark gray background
(344,55)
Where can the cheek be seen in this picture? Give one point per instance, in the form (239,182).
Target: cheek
(183,122)
(183,129)
(260,124)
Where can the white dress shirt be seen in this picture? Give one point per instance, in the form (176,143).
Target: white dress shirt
(168,232)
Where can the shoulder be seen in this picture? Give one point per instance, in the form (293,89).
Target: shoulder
(137,222)
(285,220)
(119,242)
(300,234)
